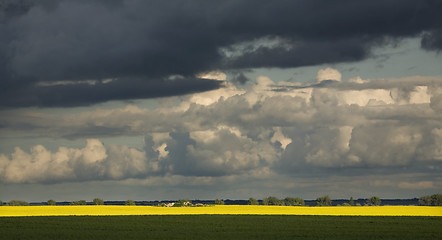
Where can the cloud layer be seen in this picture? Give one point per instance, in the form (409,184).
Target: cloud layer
(142,45)
(386,130)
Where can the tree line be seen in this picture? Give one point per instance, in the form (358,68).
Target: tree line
(95,201)
(52,202)
(428,200)
(433,200)
(320,201)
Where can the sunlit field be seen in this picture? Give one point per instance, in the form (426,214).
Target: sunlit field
(105,210)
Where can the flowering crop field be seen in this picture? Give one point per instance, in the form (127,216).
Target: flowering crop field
(10,211)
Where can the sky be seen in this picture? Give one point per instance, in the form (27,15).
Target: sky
(202,99)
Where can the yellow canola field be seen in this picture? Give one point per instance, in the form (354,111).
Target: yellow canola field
(221,209)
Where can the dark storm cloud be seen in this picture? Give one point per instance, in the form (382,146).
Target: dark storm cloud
(239,77)
(84,93)
(152,40)
(432,40)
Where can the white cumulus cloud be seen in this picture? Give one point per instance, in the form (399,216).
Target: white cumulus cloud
(259,131)
(328,74)
(93,162)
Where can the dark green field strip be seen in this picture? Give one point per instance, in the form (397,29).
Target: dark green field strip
(221,227)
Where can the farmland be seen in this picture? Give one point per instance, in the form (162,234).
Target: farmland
(218,209)
(219,222)
(220,227)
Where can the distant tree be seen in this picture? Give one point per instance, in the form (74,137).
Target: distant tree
(17,203)
(299,202)
(253,201)
(289,201)
(436,200)
(219,202)
(272,201)
(1,203)
(79,202)
(351,202)
(98,201)
(374,201)
(265,201)
(425,201)
(323,201)
(51,202)
(346,204)
(433,200)
(129,203)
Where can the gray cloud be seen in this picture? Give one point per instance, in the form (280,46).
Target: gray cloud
(53,41)
(432,40)
(240,78)
(217,153)
(256,133)
(83,94)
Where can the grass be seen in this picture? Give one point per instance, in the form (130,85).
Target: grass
(220,209)
(220,227)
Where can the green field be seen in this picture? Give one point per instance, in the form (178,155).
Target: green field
(221,227)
